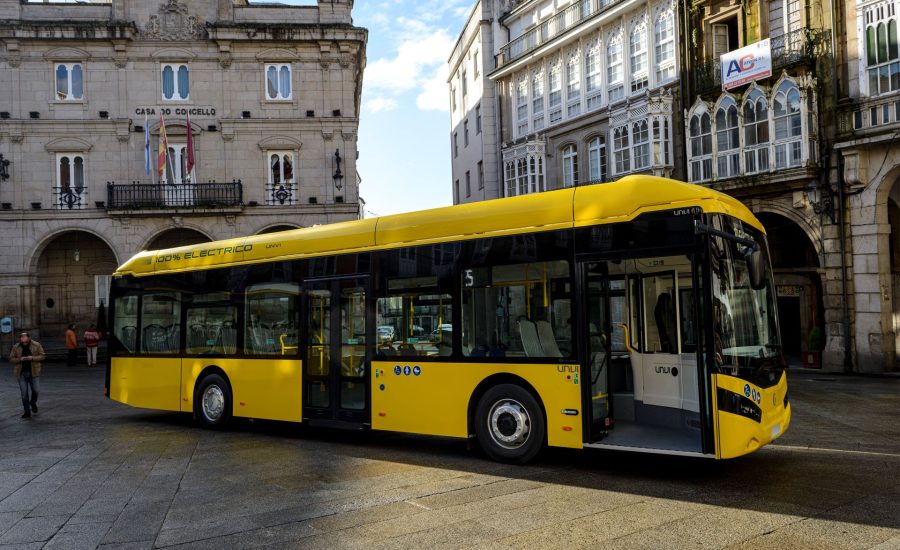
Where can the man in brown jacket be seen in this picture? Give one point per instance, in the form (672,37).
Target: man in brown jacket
(26,357)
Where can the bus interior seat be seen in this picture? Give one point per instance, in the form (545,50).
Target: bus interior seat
(530,342)
(445,348)
(387,349)
(407,349)
(128,336)
(548,340)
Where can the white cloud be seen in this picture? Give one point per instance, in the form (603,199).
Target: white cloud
(380,104)
(435,95)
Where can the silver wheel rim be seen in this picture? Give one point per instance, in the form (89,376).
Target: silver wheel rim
(213,403)
(509,424)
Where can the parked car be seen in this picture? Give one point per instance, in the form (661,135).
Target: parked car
(385,334)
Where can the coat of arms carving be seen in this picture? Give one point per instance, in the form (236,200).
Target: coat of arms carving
(174,23)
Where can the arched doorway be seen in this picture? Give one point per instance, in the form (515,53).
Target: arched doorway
(801,308)
(73,275)
(893,205)
(277,228)
(181,236)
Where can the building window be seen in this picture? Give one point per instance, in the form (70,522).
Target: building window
(465,85)
(475,61)
(522,107)
(480,175)
(728,158)
(639,58)
(573,88)
(453,99)
(466,133)
(788,126)
(176,165)
(640,139)
(555,94)
(71,191)
(522,176)
(69,82)
(614,70)
(282,178)
(665,47)
(882,57)
(278,81)
(592,77)
(597,159)
(621,150)
(175,82)
(537,101)
(478,119)
(456,189)
(570,166)
(756,132)
(468,184)
(510,179)
(701,147)
(455,145)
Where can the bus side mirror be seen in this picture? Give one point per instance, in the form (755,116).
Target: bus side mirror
(756,265)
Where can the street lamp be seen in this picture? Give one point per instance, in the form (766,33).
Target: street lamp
(4,168)
(822,203)
(338,177)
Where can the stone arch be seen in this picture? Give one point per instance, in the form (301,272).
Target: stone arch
(172,237)
(72,271)
(881,201)
(44,241)
(812,232)
(276,227)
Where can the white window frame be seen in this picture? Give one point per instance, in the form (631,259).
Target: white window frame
(882,74)
(597,167)
(537,101)
(289,185)
(621,149)
(73,184)
(70,81)
(521,99)
(700,165)
(278,95)
(176,94)
(593,77)
(615,70)
(728,139)
(573,87)
(555,94)
(570,165)
(664,38)
(640,145)
(638,61)
(178,152)
(789,143)
(756,153)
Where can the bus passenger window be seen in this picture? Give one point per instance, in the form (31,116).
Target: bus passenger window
(414,320)
(521,310)
(271,317)
(212,325)
(125,328)
(160,326)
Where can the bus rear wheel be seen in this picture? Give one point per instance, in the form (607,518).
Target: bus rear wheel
(509,424)
(212,402)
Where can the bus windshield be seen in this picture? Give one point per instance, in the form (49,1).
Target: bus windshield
(745,323)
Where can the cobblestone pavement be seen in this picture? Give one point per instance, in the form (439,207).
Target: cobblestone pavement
(88,472)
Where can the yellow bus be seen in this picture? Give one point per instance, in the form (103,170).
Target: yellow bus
(636,315)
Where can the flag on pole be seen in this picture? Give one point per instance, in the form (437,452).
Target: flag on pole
(146,146)
(189,162)
(163,148)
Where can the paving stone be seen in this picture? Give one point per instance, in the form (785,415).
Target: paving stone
(78,536)
(33,530)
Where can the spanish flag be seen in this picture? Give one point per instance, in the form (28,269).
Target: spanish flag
(163,148)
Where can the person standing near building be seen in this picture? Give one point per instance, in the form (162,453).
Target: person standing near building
(26,357)
(72,345)
(91,339)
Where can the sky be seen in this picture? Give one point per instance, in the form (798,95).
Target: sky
(404,127)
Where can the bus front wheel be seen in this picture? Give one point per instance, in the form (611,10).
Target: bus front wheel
(510,424)
(212,402)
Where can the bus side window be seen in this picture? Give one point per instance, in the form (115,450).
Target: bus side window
(160,323)
(415,319)
(271,316)
(125,328)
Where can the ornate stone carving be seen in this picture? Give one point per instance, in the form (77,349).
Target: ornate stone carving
(174,23)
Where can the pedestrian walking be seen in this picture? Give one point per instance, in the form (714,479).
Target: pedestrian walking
(91,339)
(26,357)
(71,345)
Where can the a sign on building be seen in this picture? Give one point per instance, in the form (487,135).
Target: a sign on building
(753,62)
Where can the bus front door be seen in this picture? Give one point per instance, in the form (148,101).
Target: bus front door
(336,362)
(598,354)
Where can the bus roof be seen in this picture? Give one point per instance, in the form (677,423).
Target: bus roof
(618,201)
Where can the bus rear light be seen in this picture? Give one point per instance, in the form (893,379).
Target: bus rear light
(382,414)
(243,404)
(567,428)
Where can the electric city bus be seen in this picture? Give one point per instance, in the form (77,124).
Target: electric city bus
(636,315)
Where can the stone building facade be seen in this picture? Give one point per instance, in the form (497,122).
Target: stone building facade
(768,142)
(272,92)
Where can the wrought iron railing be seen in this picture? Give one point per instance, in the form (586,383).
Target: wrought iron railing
(142,196)
(70,198)
(799,47)
(281,194)
(552,27)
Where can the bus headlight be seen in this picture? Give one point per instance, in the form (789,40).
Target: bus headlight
(739,405)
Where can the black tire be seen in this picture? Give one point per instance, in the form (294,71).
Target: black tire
(212,402)
(510,424)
